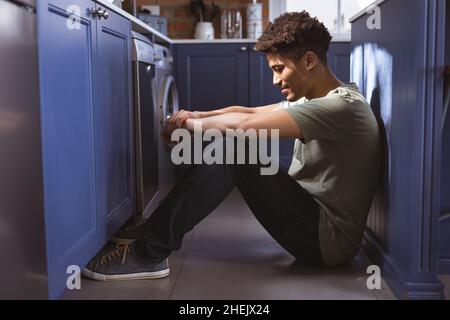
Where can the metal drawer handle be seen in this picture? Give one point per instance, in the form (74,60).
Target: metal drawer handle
(243,49)
(97,12)
(254,49)
(100,13)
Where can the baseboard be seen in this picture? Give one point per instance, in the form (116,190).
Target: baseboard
(424,291)
(394,276)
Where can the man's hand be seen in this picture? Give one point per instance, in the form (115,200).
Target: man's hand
(176,121)
(179,118)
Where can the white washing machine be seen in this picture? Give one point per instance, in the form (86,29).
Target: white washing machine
(168,104)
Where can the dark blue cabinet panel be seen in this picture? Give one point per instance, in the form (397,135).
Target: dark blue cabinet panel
(212,76)
(115,114)
(339,59)
(444,234)
(262,91)
(86,132)
(397,68)
(445,184)
(68,63)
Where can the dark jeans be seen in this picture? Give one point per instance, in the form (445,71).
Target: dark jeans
(279,203)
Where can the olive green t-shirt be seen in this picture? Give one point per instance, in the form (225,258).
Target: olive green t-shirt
(338,163)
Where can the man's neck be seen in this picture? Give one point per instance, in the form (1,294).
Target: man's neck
(326,83)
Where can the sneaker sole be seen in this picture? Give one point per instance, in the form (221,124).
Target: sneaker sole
(120,277)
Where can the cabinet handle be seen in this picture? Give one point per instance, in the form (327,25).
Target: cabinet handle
(243,49)
(96,12)
(100,13)
(254,49)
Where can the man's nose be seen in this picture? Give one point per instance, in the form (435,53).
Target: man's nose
(276,79)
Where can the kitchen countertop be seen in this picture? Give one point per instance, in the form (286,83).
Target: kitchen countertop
(342,38)
(194,41)
(139,26)
(136,24)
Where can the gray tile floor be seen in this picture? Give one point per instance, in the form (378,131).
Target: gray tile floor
(229,256)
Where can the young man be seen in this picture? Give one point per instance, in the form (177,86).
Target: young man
(318,210)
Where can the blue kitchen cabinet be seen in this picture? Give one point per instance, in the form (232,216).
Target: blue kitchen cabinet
(217,75)
(404,87)
(212,76)
(339,60)
(85,72)
(115,113)
(444,219)
(262,91)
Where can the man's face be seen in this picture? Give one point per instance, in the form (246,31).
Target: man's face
(290,77)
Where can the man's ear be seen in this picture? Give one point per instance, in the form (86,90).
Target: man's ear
(310,60)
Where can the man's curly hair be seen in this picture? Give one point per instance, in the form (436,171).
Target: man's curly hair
(293,34)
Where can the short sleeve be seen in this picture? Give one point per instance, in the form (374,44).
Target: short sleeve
(327,118)
(287,104)
(284,104)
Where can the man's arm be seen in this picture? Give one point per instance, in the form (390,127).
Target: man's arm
(178,119)
(237,109)
(279,120)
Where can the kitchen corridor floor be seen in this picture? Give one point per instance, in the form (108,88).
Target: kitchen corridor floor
(229,256)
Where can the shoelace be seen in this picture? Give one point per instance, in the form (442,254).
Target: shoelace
(121,249)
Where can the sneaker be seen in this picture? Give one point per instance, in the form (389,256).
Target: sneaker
(122,262)
(130,234)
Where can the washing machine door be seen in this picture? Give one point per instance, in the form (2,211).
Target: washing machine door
(146,136)
(169,102)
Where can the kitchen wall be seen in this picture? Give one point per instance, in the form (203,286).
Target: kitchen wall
(182,21)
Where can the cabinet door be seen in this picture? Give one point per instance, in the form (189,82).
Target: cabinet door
(74,229)
(114,120)
(212,76)
(262,90)
(339,59)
